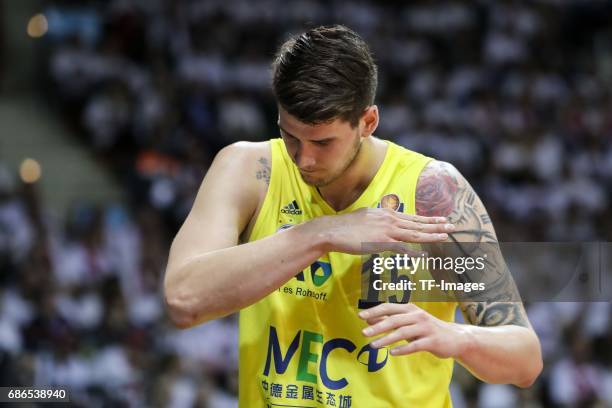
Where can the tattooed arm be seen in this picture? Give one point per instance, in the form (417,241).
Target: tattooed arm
(501,345)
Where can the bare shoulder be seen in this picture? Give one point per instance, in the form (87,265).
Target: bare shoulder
(443,191)
(246,155)
(227,199)
(436,187)
(237,174)
(248,162)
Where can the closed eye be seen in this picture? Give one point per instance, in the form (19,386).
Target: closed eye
(321,142)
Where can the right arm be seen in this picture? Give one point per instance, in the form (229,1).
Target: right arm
(209,275)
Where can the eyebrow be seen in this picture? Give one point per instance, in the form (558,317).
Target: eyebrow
(326,139)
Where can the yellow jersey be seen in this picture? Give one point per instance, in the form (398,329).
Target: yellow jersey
(302,345)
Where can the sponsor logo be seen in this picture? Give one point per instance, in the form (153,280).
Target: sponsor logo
(369,357)
(292,208)
(391,201)
(284,227)
(320,272)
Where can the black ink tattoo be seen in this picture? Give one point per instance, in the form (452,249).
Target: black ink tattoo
(470,198)
(493,314)
(264,171)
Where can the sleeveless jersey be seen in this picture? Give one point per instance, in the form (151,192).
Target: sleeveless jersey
(302,345)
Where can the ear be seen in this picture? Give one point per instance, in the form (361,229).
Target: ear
(369,120)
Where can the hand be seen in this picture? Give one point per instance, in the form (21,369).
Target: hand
(423,331)
(348,232)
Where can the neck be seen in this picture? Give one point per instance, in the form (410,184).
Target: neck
(347,188)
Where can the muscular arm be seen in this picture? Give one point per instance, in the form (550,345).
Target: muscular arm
(499,345)
(208,274)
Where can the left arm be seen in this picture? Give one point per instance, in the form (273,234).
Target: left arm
(499,345)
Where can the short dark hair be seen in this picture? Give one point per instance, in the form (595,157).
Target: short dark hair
(324,74)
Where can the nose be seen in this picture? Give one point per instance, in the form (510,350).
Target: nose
(305,157)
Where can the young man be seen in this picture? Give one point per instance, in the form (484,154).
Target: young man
(301,208)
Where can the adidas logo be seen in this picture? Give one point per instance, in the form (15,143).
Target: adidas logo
(292,208)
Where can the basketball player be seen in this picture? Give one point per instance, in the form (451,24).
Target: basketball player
(276,231)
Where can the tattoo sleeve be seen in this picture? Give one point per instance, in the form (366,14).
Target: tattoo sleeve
(442,191)
(263,170)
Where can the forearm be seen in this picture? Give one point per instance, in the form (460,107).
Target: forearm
(501,355)
(217,283)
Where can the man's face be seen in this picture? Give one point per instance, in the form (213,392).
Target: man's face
(321,152)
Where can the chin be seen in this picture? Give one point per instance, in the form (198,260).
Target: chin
(318,178)
(311,181)
(315,181)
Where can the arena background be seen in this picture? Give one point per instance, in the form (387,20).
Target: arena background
(111,111)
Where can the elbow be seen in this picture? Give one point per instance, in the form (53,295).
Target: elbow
(532,374)
(182,309)
(179,312)
(533,369)
(531,377)
(187,306)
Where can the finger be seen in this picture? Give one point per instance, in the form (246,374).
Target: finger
(391,323)
(373,321)
(429,228)
(403,333)
(387,309)
(416,236)
(422,219)
(423,344)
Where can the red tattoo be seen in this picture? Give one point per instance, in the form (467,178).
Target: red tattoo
(435,195)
